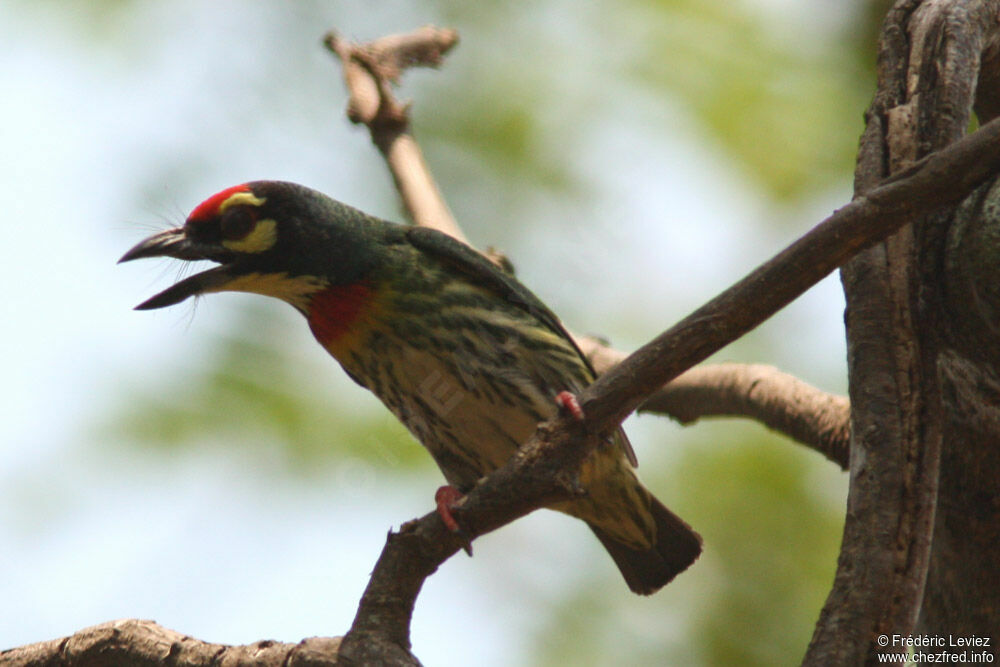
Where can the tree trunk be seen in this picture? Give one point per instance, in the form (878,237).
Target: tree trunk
(923,515)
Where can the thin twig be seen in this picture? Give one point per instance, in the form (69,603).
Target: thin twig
(370,70)
(536,476)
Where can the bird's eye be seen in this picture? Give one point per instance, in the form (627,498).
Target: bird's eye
(237,222)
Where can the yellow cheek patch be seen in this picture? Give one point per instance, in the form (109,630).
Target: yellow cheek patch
(246,198)
(279,285)
(260,238)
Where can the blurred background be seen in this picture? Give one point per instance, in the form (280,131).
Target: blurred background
(209,467)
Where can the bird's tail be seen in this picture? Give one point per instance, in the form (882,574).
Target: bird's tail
(674,546)
(650,544)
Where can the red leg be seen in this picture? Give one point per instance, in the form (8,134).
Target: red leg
(566,400)
(445,498)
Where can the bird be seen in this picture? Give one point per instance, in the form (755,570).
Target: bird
(463,354)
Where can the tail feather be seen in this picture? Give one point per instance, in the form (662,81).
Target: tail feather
(675,547)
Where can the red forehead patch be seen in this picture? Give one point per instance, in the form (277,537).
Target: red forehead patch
(210,206)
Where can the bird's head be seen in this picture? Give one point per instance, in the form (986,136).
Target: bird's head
(269,237)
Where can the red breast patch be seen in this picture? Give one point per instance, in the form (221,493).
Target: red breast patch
(334,311)
(210,206)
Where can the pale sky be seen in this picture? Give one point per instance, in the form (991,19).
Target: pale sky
(90,533)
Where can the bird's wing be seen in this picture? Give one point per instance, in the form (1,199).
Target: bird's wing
(486,274)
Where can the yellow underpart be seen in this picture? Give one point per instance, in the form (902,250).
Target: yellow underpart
(260,238)
(246,198)
(295,290)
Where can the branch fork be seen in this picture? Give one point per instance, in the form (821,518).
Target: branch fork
(370,71)
(531,479)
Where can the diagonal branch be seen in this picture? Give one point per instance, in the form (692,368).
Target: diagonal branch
(807,415)
(370,70)
(916,557)
(542,470)
(941,179)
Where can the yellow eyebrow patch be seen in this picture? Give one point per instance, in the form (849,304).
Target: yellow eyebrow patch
(247,198)
(260,238)
(279,285)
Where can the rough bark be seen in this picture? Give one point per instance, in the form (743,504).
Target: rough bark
(923,512)
(808,416)
(922,506)
(542,470)
(777,400)
(137,643)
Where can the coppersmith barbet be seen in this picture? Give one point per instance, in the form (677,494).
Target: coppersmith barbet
(408,311)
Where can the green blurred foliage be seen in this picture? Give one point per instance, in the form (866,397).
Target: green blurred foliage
(778,112)
(770,541)
(256,395)
(790,116)
(505,106)
(773,539)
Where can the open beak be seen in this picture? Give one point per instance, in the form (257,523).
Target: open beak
(174,243)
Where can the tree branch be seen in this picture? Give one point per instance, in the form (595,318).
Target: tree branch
(370,70)
(780,401)
(898,353)
(134,642)
(537,475)
(542,471)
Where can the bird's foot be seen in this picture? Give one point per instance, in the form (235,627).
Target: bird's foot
(566,400)
(446,498)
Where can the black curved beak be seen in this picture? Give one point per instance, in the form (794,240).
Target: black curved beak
(174,243)
(169,243)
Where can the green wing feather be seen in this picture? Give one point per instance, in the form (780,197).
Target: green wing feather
(484,273)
